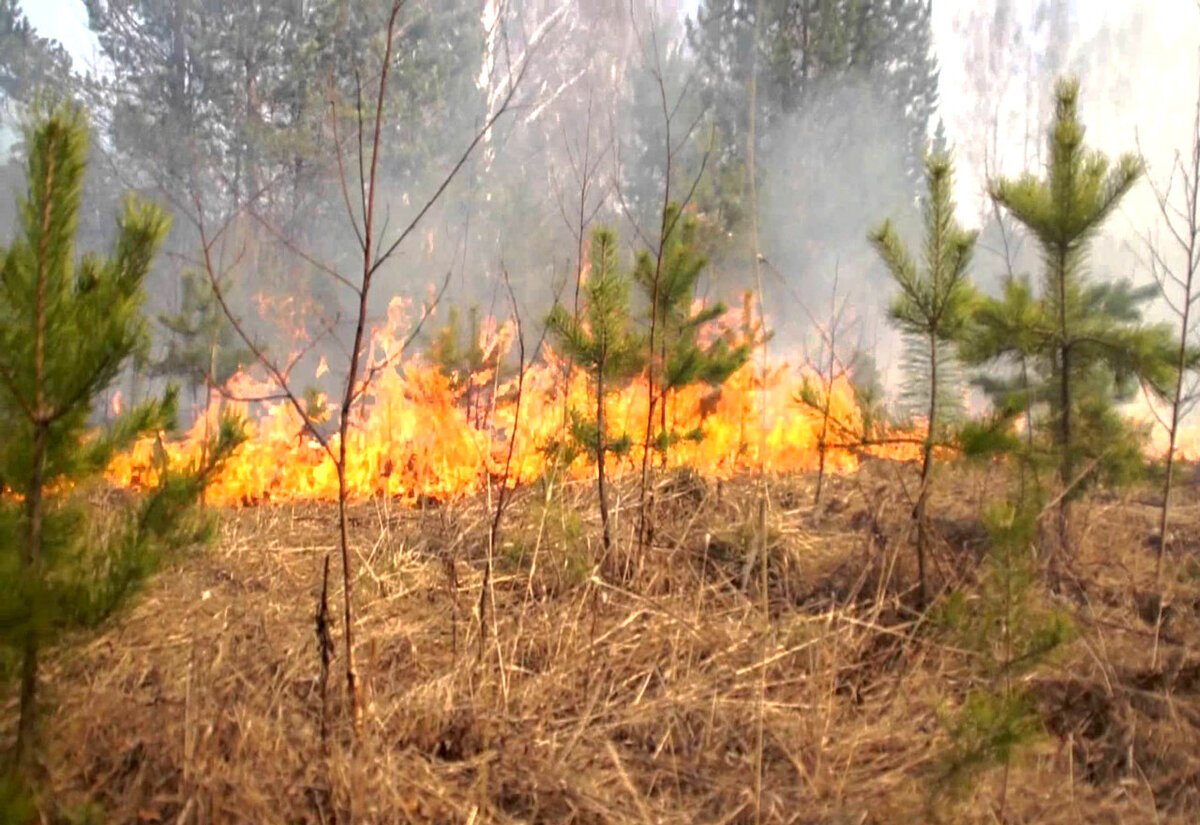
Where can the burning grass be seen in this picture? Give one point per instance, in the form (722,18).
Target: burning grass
(594,702)
(418,432)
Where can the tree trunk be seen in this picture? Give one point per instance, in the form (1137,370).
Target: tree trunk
(369,266)
(1167,485)
(760,547)
(926,467)
(1174,431)
(1066,467)
(822,441)
(600,452)
(646,493)
(34,503)
(348,594)
(30,560)
(827,382)
(664,416)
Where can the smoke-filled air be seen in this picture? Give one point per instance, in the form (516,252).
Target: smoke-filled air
(599,411)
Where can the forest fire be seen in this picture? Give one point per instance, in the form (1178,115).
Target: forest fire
(419,433)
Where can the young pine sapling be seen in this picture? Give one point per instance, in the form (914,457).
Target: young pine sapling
(67,329)
(682,358)
(601,341)
(458,353)
(203,349)
(932,308)
(1010,635)
(1083,343)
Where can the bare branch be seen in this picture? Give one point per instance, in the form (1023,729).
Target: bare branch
(260,356)
(449,178)
(341,165)
(295,249)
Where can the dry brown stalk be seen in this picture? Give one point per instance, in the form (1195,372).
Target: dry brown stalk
(504,491)
(1176,276)
(324,650)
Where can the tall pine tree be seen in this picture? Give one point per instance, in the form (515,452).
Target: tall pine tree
(28,61)
(801,48)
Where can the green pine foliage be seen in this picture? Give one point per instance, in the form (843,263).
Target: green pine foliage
(203,347)
(682,358)
(931,309)
(459,356)
(869,394)
(1074,346)
(914,401)
(67,328)
(933,305)
(1010,635)
(602,341)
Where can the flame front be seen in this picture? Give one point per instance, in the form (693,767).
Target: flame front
(416,433)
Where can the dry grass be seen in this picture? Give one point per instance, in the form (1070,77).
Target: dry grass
(596,702)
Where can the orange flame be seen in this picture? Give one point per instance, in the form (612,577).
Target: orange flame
(1155,413)
(410,435)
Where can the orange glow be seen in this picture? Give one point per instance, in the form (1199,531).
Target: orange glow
(417,433)
(1156,414)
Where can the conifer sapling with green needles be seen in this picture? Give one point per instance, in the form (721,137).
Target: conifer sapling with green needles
(460,356)
(203,348)
(682,358)
(931,309)
(602,341)
(1011,635)
(67,329)
(1083,342)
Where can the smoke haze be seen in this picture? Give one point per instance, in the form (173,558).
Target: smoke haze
(585,144)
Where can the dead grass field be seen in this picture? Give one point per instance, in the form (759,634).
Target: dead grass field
(647,702)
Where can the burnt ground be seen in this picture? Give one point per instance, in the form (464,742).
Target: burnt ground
(665,696)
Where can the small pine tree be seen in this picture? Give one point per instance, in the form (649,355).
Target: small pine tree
(456,357)
(1012,635)
(203,346)
(461,358)
(67,329)
(1081,343)
(602,342)
(931,309)
(869,395)
(682,358)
